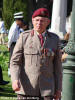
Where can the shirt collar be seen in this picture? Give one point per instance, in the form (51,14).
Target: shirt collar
(42,33)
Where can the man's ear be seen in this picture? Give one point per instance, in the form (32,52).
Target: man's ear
(48,21)
(32,20)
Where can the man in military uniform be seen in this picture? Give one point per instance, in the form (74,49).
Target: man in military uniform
(36,69)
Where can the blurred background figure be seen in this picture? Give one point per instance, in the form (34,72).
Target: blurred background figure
(2,31)
(24,27)
(18,26)
(66,37)
(2,82)
(68,28)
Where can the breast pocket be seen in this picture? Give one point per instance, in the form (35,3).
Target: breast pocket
(31,48)
(31,55)
(30,51)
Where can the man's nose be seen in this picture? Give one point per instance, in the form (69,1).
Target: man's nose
(39,22)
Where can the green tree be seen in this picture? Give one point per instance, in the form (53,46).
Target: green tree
(1,5)
(35,4)
(13,6)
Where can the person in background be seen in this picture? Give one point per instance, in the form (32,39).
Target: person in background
(14,33)
(2,82)
(66,37)
(2,32)
(35,66)
(68,27)
(24,27)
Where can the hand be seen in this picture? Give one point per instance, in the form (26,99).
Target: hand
(64,57)
(57,95)
(16,85)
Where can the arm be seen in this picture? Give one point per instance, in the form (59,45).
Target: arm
(3,30)
(11,35)
(16,63)
(58,72)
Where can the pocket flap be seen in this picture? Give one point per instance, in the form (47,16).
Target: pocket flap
(31,51)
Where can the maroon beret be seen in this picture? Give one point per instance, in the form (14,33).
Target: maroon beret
(43,12)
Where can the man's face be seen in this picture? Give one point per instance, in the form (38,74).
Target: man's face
(20,23)
(40,23)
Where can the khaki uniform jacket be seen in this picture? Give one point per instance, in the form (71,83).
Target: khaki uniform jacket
(36,72)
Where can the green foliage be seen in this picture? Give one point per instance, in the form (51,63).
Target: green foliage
(4,60)
(8,12)
(1,5)
(12,6)
(4,57)
(21,5)
(6,39)
(3,48)
(8,93)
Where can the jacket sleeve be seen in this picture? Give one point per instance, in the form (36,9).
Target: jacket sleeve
(11,35)
(58,68)
(16,59)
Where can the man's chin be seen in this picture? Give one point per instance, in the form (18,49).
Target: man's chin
(39,29)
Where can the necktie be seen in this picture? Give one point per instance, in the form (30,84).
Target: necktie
(41,39)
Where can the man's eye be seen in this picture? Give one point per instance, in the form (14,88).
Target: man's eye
(37,20)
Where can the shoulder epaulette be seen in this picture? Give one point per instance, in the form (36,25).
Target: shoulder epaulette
(52,34)
(27,31)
